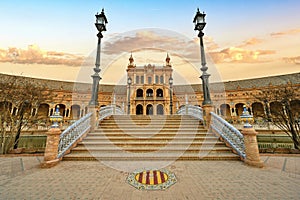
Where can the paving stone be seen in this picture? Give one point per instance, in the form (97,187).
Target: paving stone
(195,180)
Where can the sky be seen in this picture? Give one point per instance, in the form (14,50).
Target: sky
(57,39)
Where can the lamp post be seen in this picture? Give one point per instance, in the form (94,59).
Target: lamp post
(129,81)
(171,95)
(100,24)
(199,21)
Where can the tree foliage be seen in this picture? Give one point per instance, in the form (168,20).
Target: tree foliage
(20,98)
(283,109)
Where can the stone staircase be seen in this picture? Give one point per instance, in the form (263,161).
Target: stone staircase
(135,137)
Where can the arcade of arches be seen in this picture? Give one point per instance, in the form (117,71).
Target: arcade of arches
(152,97)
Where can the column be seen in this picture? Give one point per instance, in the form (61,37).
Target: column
(251,147)
(51,151)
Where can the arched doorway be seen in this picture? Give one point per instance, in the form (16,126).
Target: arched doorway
(160,109)
(139,109)
(149,109)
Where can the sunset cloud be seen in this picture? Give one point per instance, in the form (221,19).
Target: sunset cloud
(34,55)
(288,32)
(251,41)
(148,39)
(239,55)
(292,60)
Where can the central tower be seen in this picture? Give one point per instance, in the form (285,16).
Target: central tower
(149,92)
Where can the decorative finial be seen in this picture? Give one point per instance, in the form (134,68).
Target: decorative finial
(168,59)
(131,60)
(56,118)
(246,118)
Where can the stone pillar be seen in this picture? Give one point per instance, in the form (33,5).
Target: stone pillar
(251,147)
(206,114)
(51,151)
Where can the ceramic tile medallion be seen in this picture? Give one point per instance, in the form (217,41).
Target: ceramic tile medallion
(153,179)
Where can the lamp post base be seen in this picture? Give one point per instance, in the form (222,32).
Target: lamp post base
(93,110)
(206,114)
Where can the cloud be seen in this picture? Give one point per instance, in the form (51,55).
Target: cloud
(293,60)
(250,42)
(34,55)
(186,48)
(151,39)
(288,32)
(239,55)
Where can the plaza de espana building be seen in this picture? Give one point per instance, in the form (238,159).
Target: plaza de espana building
(150,94)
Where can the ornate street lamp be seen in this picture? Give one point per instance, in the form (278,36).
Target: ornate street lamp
(129,81)
(100,24)
(199,21)
(171,95)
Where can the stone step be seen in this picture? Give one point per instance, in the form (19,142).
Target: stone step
(143,149)
(149,117)
(171,125)
(160,138)
(87,156)
(151,130)
(145,135)
(140,139)
(150,143)
(137,134)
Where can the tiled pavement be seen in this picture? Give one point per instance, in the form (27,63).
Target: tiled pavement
(21,178)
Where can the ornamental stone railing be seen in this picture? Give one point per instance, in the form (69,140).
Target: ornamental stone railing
(109,110)
(229,134)
(191,110)
(73,133)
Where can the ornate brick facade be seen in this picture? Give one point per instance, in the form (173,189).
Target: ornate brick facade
(151,94)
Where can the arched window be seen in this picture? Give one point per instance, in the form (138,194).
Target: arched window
(139,93)
(159,93)
(156,79)
(149,93)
